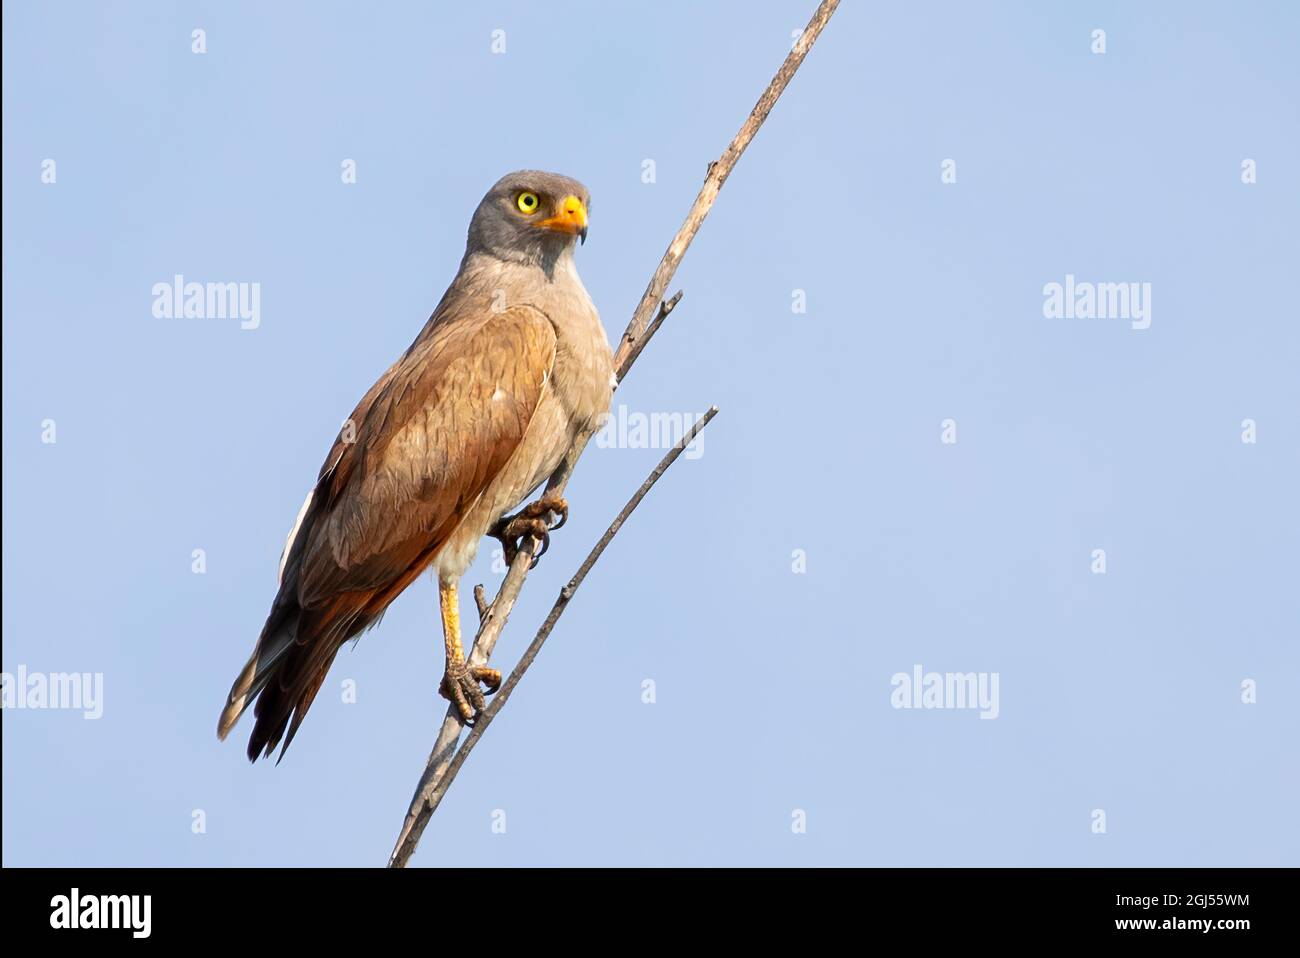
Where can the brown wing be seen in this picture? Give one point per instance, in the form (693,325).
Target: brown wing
(426,441)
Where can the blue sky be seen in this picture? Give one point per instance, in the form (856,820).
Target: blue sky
(826,540)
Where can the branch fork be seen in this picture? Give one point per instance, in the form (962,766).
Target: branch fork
(445,760)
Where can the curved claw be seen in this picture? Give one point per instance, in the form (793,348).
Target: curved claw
(546,544)
(531,521)
(460,687)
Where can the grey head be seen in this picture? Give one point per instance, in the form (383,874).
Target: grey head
(530,217)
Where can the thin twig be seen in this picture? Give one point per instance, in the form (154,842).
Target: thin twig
(480,601)
(492,619)
(403,853)
(713,180)
(665,307)
(640,329)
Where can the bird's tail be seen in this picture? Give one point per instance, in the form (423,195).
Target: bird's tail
(276,641)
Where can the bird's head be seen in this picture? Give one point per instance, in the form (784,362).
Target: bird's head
(530,216)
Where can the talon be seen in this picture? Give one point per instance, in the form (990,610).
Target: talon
(560,508)
(460,687)
(530,521)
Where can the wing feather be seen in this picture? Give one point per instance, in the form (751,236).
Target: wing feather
(425,442)
(426,448)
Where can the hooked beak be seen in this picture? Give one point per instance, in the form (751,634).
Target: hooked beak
(571,219)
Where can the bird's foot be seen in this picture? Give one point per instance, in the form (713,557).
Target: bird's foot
(530,522)
(460,687)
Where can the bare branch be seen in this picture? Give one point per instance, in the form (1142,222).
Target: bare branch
(640,329)
(480,601)
(492,619)
(713,180)
(411,835)
(489,628)
(665,307)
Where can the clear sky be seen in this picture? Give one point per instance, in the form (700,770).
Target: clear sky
(825,540)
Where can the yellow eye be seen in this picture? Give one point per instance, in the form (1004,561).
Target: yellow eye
(527,202)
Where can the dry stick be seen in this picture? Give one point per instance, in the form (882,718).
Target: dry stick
(499,700)
(638,333)
(492,619)
(717,175)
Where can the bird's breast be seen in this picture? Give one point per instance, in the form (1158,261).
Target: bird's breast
(576,396)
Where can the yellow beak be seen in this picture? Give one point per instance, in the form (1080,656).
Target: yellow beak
(571,219)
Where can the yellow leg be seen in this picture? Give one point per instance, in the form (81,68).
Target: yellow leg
(449,604)
(459,681)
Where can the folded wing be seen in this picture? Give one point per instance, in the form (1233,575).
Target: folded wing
(420,448)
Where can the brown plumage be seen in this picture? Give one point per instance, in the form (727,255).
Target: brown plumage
(473,416)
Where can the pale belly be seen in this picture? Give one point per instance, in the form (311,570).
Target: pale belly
(576,395)
(549,436)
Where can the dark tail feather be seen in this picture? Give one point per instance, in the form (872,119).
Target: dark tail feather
(286,709)
(293,653)
(276,641)
(292,686)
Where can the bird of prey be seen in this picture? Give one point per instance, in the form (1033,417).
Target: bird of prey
(512,365)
